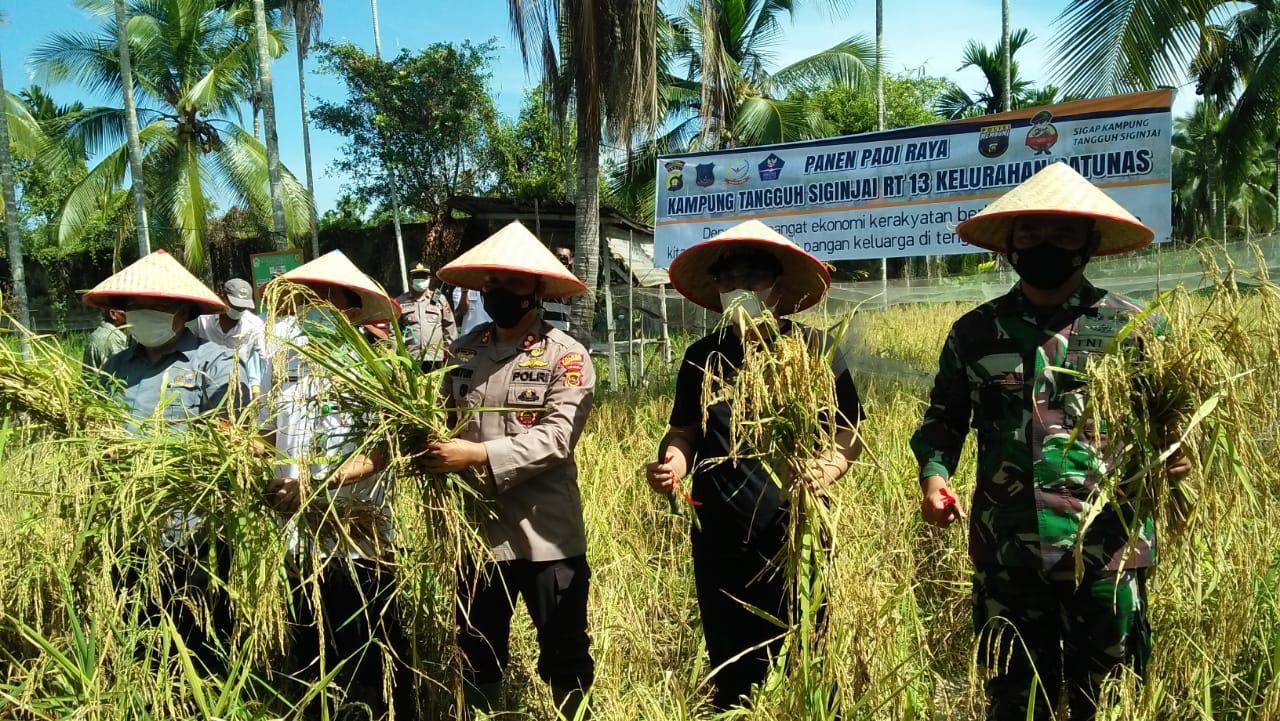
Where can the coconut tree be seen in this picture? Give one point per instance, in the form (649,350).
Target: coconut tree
(956,103)
(262,44)
(717,86)
(606,50)
(728,47)
(1231,50)
(185,56)
(1006,59)
(27,131)
(137,183)
(307,16)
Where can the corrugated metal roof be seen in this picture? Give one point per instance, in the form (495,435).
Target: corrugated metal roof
(636,255)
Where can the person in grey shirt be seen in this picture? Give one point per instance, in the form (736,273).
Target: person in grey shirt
(167,377)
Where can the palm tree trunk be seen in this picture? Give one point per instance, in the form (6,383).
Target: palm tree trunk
(392,190)
(12,229)
(306,138)
(879,64)
(131,128)
(279,236)
(1006,80)
(586,206)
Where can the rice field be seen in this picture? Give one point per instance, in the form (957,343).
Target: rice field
(901,640)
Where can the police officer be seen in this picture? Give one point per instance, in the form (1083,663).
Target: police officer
(742,515)
(998,373)
(523,461)
(427,319)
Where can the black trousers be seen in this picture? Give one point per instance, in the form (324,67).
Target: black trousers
(739,643)
(361,619)
(555,592)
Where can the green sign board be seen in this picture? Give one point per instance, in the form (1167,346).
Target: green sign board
(268,265)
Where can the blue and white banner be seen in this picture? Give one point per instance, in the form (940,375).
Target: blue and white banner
(902,192)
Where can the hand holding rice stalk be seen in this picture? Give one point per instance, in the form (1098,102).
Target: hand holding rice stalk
(1196,392)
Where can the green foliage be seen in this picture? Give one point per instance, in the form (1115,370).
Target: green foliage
(532,156)
(909,99)
(349,215)
(426,114)
(186,60)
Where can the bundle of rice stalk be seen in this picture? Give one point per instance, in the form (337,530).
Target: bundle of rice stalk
(396,410)
(46,389)
(165,493)
(1186,377)
(784,413)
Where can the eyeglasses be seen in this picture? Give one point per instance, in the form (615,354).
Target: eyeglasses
(563,258)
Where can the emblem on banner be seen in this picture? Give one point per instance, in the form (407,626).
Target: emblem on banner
(993,140)
(770,168)
(738,172)
(1042,136)
(706,175)
(675,175)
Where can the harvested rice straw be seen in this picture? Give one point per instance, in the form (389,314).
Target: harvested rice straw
(783,413)
(1202,388)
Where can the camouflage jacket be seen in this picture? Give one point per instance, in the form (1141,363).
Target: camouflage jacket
(996,374)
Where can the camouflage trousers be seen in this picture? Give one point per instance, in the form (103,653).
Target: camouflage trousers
(1072,636)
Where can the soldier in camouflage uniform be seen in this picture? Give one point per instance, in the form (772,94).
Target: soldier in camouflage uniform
(998,375)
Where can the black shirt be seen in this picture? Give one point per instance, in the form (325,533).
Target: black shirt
(740,503)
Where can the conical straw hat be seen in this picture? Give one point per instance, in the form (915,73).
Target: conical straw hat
(157,275)
(803,282)
(1057,190)
(335,268)
(512,249)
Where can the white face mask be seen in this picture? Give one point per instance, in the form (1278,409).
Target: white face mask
(234,313)
(418,284)
(750,303)
(151,328)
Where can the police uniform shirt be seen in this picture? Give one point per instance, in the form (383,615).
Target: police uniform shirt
(547,382)
(431,320)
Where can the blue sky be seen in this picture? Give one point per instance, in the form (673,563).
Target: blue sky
(928,34)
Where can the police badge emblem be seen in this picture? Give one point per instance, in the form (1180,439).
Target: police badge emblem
(706,175)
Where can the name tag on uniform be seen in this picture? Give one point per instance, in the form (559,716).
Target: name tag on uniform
(1094,334)
(182,379)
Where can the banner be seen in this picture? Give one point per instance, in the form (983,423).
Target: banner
(902,192)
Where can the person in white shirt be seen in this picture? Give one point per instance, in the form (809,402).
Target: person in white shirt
(238,328)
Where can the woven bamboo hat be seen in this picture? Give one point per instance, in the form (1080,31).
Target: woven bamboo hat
(335,268)
(802,283)
(1057,190)
(157,275)
(512,249)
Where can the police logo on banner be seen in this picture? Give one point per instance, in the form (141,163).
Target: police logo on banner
(706,175)
(993,140)
(675,175)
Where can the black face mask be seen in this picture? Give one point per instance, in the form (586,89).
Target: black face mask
(507,308)
(1046,266)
